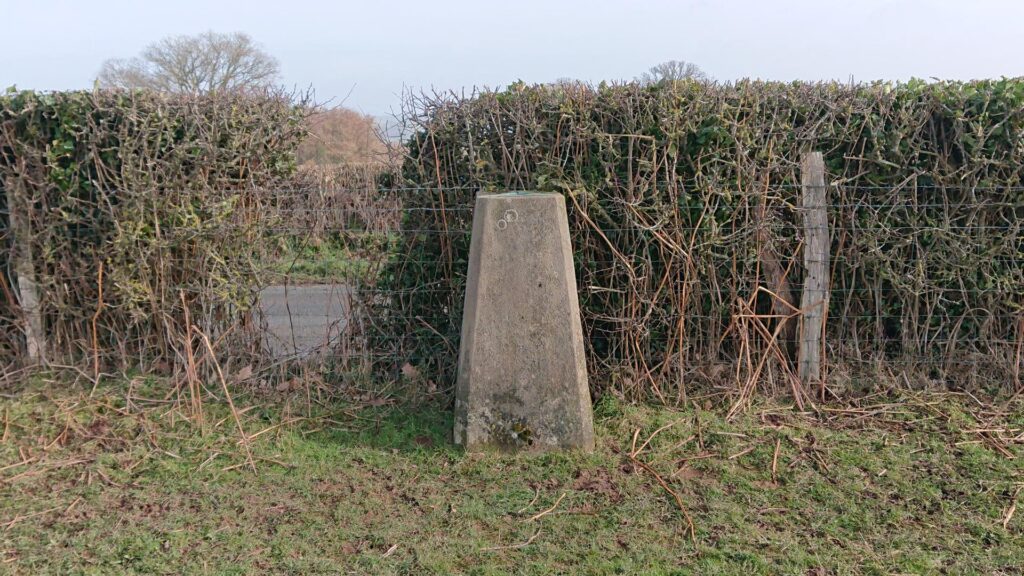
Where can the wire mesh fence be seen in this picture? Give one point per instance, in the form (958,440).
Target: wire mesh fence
(675,297)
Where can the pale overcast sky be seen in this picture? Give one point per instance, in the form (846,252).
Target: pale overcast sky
(369,50)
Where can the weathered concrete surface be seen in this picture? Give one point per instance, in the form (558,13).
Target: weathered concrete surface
(522,379)
(303,319)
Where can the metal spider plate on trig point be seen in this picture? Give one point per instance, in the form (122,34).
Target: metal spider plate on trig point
(522,381)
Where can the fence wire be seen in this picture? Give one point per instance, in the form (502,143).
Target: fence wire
(670,298)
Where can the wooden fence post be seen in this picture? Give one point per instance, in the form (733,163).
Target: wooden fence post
(815,297)
(24,271)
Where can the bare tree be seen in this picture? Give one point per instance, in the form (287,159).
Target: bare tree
(207,63)
(341,136)
(672,71)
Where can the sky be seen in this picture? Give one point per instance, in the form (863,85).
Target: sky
(364,54)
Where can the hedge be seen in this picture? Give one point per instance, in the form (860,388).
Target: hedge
(144,213)
(684,201)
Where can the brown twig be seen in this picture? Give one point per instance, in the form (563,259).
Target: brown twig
(1013,508)
(543,513)
(231,404)
(775,461)
(675,495)
(514,546)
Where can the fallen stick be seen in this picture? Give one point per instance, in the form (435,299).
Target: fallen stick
(231,404)
(10,524)
(1012,509)
(16,464)
(549,510)
(49,468)
(651,437)
(679,500)
(536,495)
(775,461)
(514,546)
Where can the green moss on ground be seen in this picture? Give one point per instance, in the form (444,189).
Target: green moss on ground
(122,482)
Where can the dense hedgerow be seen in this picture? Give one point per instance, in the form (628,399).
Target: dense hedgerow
(684,201)
(151,199)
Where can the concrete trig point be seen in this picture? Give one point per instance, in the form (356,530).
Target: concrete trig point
(522,381)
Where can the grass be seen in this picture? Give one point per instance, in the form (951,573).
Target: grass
(126,481)
(333,259)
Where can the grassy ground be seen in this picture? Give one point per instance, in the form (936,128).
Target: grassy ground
(128,481)
(304,261)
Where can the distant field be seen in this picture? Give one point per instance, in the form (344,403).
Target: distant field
(325,262)
(127,481)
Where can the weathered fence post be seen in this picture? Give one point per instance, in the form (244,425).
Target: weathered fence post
(814,300)
(24,271)
(522,381)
